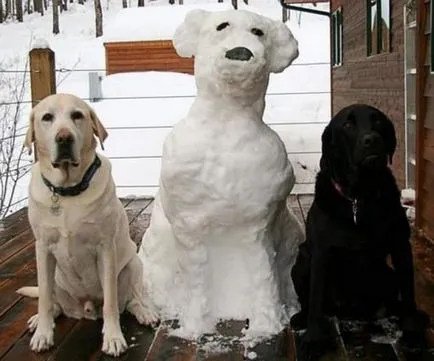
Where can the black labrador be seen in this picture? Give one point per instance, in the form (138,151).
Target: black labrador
(355,224)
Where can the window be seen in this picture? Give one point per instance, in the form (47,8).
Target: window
(378,26)
(337,37)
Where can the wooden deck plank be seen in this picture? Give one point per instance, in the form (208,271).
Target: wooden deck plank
(360,344)
(19,271)
(81,340)
(13,225)
(336,354)
(16,244)
(170,348)
(139,339)
(21,349)
(279,348)
(14,323)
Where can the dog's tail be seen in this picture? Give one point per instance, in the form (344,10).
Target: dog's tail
(32,292)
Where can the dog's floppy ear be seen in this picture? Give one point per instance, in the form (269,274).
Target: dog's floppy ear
(326,147)
(284,48)
(98,128)
(30,135)
(389,136)
(186,38)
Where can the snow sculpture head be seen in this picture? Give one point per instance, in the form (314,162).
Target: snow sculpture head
(235,51)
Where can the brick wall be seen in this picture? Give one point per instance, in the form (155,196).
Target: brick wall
(376,80)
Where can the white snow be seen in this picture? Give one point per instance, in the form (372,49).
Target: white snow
(252,355)
(298,100)
(40,43)
(152,22)
(408,195)
(221,241)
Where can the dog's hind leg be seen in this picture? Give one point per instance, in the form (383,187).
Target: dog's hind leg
(300,274)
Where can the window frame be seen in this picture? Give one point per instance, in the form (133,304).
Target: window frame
(337,38)
(379,32)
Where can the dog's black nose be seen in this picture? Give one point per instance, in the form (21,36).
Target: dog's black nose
(239,53)
(368,140)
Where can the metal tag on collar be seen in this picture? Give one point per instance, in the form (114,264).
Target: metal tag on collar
(55,207)
(355,211)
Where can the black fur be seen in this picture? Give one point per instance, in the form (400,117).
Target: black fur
(342,267)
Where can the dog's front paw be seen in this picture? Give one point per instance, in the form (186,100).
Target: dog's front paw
(316,342)
(42,339)
(114,343)
(413,327)
(415,321)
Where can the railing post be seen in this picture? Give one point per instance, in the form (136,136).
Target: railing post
(42,76)
(42,73)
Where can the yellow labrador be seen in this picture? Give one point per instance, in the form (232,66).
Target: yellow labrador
(85,257)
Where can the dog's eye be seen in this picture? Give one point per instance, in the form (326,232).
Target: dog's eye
(257,32)
(348,125)
(77,115)
(222,26)
(47,117)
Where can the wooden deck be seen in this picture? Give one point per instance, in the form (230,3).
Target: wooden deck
(81,340)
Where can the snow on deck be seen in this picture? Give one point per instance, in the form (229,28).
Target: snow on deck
(152,22)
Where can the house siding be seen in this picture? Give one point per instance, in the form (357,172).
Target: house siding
(376,80)
(145,56)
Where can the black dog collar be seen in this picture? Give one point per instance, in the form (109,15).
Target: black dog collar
(78,188)
(352,200)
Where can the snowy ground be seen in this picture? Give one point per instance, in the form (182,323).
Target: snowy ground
(298,100)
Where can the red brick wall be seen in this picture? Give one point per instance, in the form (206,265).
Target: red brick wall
(376,80)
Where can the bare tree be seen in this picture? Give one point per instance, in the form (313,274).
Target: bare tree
(124,3)
(1,11)
(13,163)
(29,7)
(8,8)
(19,10)
(81,2)
(98,18)
(38,6)
(56,17)
(141,3)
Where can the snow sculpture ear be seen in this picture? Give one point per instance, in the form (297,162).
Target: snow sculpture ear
(284,48)
(186,36)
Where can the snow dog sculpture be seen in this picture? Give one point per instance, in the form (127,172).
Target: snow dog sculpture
(222,241)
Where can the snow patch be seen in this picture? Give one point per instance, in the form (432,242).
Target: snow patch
(152,22)
(40,43)
(408,195)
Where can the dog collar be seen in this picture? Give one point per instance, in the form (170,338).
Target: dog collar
(78,188)
(353,201)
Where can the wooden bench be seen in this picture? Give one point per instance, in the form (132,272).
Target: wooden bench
(80,340)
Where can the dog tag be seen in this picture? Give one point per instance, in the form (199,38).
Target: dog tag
(355,211)
(55,208)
